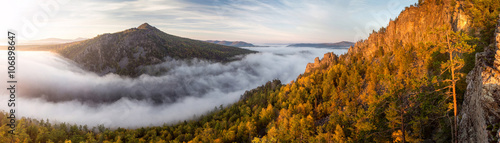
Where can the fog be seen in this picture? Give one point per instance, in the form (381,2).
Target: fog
(52,87)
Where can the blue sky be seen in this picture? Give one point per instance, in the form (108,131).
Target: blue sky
(256,21)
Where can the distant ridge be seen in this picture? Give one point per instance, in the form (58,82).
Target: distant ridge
(50,41)
(232,43)
(126,52)
(343,44)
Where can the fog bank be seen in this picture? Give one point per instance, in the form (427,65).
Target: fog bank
(50,86)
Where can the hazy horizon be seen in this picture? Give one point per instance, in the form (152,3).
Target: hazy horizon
(44,41)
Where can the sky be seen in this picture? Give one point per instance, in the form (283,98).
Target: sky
(255,21)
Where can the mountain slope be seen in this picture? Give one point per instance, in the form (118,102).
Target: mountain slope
(127,51)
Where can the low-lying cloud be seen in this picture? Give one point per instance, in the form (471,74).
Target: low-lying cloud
(53,87)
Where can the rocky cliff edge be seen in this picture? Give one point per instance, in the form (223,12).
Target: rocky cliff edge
(480,114)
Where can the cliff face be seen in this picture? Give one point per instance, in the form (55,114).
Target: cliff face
(481,108)
(410,27)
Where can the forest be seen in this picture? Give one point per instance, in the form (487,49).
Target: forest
(395,86)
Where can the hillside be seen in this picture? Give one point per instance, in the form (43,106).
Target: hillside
(391,87)
(343,44)
(125,52)
(232,43)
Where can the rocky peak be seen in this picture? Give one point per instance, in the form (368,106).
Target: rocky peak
(145,26)
(481,107)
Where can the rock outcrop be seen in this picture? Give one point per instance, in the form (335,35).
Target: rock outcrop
(328,59)
(461,21)
(480,115)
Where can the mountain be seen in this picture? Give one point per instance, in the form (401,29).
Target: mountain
(343,44)
(126,52)
(480,121)
(232,43)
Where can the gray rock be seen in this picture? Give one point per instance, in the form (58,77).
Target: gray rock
(481,107)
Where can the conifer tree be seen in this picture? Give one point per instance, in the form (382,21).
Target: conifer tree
(455,46)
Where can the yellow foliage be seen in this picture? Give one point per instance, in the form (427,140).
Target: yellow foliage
(397,136)
(339,135)
(450,106)
(218,140)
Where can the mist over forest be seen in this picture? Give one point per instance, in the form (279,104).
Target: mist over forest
(175,90)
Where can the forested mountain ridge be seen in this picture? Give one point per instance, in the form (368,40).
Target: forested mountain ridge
(125,52)
(391,87)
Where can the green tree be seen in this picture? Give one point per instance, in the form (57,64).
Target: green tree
(455,46)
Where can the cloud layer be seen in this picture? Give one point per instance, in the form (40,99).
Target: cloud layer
(52,87)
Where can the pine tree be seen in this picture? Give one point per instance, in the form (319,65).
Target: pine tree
(455,46)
